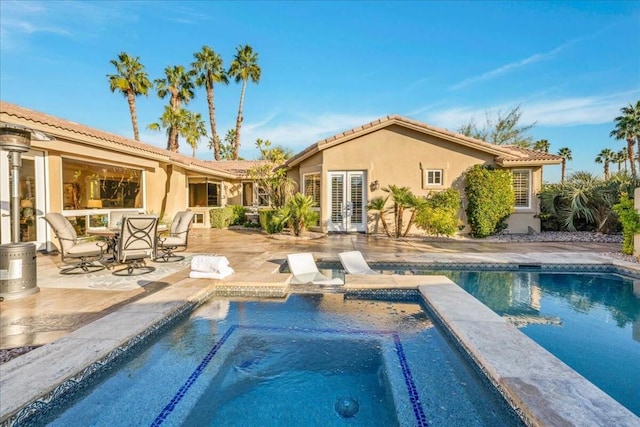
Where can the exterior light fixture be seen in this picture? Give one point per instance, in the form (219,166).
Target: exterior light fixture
(375,185)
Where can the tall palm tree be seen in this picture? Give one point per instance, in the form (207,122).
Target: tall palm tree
(542,145)
(243,67)
(605,156)
(621,157)
(170,120)
(209,71)
(192,129)
(628,129)
(178,84)
(132,81)
(565,153)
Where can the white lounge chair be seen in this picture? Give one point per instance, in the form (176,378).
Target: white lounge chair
(354,263)
(304,270)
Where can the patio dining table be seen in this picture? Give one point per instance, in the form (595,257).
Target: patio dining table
(111,235)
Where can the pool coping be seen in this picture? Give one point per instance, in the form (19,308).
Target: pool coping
(543,389)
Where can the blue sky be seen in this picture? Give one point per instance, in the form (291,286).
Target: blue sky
(331,66)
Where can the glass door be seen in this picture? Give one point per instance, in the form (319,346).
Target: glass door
(346,202)
(32,198)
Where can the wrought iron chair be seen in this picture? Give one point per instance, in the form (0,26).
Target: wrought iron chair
(80,253)
(136,243)
(176,239)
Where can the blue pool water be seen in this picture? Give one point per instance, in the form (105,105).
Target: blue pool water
(590,321)
(312,360)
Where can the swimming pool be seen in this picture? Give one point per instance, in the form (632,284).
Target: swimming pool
(314,359)
(589,320)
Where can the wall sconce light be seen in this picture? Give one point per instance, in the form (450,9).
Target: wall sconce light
(375,185)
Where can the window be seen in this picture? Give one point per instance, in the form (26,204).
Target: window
(204,193)
(312,187)
(264,199)
(94,185)
(521,183)
(433,177)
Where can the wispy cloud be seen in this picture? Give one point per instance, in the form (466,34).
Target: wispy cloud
(301,130)
(538,57)
(21,20)
(554,112)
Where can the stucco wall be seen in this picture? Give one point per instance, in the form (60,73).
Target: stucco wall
(400,156)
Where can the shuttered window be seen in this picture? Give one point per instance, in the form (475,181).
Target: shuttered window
(521,188)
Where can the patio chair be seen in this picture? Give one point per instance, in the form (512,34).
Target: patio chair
(304,270)
(354,263)
(176,239)
(80,253)
(136,243)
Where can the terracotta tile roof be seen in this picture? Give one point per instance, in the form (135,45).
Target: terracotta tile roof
(52,124)
(504,154)
(238,167)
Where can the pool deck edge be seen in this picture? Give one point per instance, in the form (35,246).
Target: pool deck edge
(544,390)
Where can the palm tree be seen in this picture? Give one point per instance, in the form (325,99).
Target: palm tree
(621,157)
(243,67)
(192,129)
(178,84)
(565,153)
(542,145)
(628,129)
(131,80)
(170,120)
(209,69)
(403,199)
(605,156)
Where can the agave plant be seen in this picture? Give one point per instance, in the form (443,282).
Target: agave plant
(583,201)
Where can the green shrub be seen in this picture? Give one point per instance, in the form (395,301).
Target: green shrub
(297,214)
(630,220)
(439,214)
(490,199)
(220,217)
(238,215)
(266,221)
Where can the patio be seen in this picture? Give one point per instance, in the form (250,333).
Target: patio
(89,326)
(55,311)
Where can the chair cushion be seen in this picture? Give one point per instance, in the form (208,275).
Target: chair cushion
(171,242)
(84,249)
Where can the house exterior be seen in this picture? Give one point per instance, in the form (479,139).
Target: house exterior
(93,177)
(346,171)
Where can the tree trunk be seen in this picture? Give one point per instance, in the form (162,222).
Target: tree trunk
(212,121)
(385,226)
(236,143)
(413,217)
(631,155)
(564,168)
(172,144)
(399,221)
(131,98)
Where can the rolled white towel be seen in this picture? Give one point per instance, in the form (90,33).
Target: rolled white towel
(209,263)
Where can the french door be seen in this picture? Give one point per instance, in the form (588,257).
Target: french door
(347,200)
